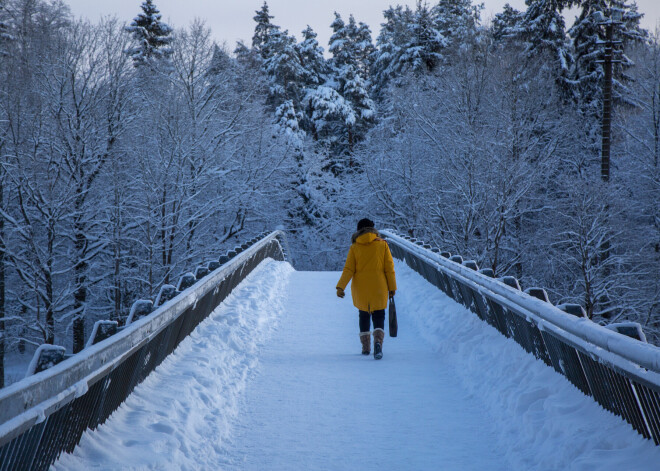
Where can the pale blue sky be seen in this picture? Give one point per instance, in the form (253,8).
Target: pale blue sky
(231,20)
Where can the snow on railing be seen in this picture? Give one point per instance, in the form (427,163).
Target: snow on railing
(47,412)
(613,365)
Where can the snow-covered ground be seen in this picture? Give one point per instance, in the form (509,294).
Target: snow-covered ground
(273,379)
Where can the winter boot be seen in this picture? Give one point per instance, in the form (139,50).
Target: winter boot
(379,336)
(365,338)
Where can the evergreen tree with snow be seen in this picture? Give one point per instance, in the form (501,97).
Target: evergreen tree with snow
(263,31)
(364,49)
(423,51)
(588,36)
(287,121)
(246,56)
(329,115)
(220,61)
(340,45)
(355,91)
(507,23)
(151,35)
(418,40)
(347,45)
(351,44)
(311,59)
(394,34)
(456,20)
(315,74)
(540,30)
(284,68)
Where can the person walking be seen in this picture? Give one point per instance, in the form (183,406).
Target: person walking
(369,264)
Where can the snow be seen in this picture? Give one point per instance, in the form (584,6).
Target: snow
(273,379)
(544,422)
(45,348)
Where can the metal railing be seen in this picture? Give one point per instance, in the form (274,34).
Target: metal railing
(47,413)
(622,374)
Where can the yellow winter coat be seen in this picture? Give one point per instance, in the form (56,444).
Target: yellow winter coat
(370,265)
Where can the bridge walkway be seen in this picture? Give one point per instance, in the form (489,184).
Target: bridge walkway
(273,379)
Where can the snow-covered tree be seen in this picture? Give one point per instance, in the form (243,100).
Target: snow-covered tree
(287,122)
(423,51)
(508,23)
(394,34)
(263,31)
(340,44)
(284,68)
(311,59)
(355,91)
(540,30)
(418,40)
(364,49)
(329,113)
(588,36)
(36,208)
(347,45)
(151,35)
(456,20)
(638,170)
(604,283)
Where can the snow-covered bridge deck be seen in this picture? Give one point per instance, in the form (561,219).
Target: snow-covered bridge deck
(273,379)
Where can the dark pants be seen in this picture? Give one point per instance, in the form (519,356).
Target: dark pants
(378,318)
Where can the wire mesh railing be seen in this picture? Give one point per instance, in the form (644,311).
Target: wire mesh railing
(621,373)
(46,413)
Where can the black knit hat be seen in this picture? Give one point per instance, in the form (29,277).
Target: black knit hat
(362,223)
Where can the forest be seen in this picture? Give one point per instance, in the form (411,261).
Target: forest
(130,153)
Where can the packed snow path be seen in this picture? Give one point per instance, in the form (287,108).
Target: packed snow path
(320,404)
(274,380)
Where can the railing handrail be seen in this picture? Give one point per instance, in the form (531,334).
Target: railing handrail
(633,352)
(619,372)
(31,399)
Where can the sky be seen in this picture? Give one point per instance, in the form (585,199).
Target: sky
(231,20)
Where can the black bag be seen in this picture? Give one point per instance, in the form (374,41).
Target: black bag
(394,326)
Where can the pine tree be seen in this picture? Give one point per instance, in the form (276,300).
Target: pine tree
(329,115)
(365,49)
(263,31)
(311,59)
(456,20)
(340,45)
(423,51)
(246,56)
(588,36)
(347,44)
(151,35)
(508,23)
(284,69)
(545,31)
(417,40)
(355,91)
(394,34)
(540,31)
(220,61)
(287,121)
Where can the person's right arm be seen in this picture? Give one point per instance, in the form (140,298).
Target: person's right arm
(349,270)
(388,266)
